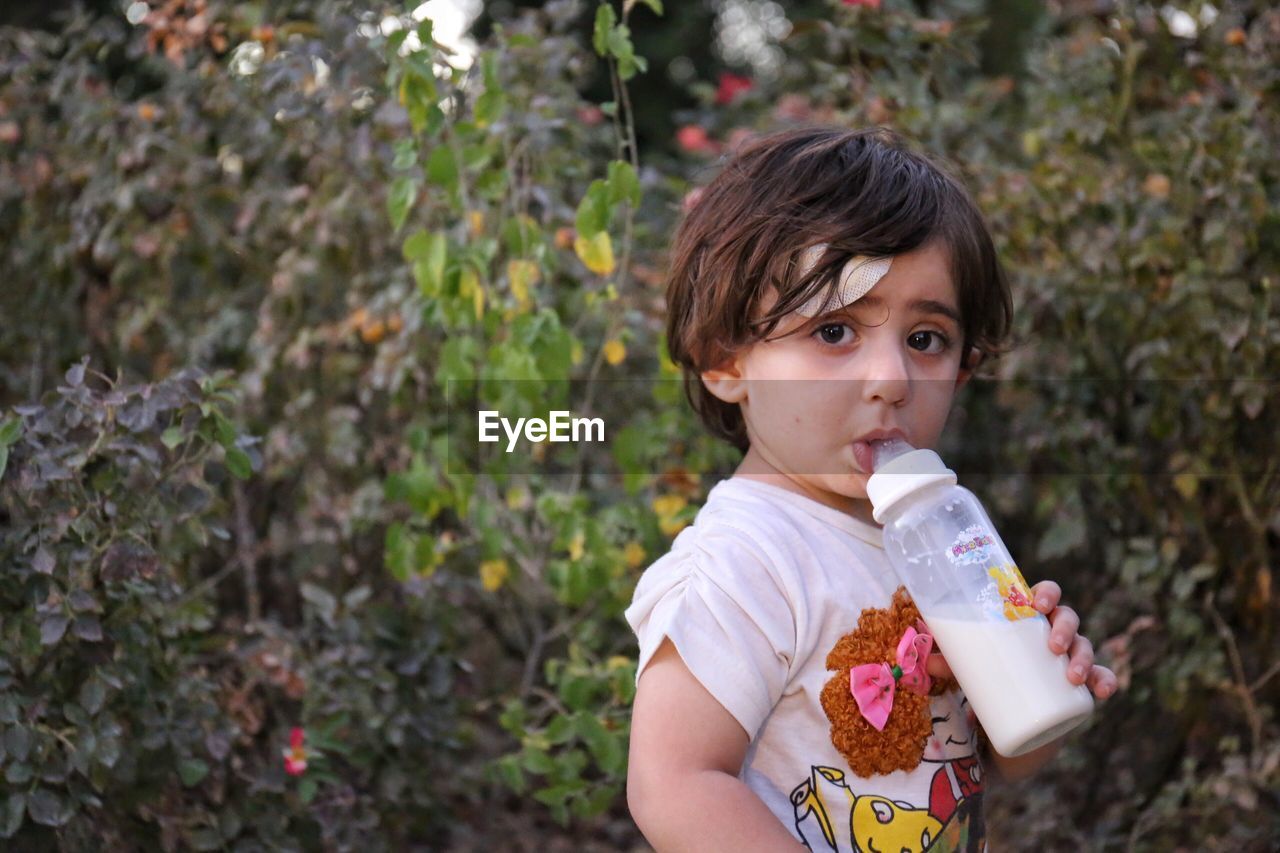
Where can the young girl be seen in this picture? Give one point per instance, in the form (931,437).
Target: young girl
(829,288)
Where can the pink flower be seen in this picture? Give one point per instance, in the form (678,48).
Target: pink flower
(691,199)
(731,85)
(590,115)
(295,757)
(694,138)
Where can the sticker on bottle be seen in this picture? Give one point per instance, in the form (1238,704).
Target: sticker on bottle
(1012,595)
(972,547)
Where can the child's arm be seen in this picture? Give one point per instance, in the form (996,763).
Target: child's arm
(682,780)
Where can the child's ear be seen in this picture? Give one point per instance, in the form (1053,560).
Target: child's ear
(726,382)
(968,364)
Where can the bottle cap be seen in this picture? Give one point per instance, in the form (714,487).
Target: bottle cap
(899,471)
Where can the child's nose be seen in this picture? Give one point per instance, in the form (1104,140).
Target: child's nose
(886,377)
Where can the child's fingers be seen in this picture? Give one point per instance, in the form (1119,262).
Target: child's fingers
(1081,660)
(1102,682)
(1046,596)
(1065,624)
(937,666)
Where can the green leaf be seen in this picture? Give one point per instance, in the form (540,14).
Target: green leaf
(10,431)
(406,155)
(307,789)
(605,746)
(489,107)
(319,598)
(17,742)
(655,5)
(594,211)
(442,168)
(535,760)
(510,772)
(47,808)
(88,627)
(431,252)
(489,69)
(238,463)
(404,190)
(419,94)
(18,773)
(52,628)
(561,729)
(623,183)
(605,19)
(192,770)
(93,693)
(171,437)
(398,550)
(224,429)
(15,809)
(4,459)
(458,360)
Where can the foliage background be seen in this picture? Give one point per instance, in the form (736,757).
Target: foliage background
(283,239)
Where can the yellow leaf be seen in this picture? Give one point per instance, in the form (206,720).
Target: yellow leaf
(575,352)
(577,546)
(469,285)
(617,662)
(596,253)
(614,351)
(358,318)
(672,526)
(633,554)
(522,274)
(1187,484)
(665,506)
(517,497)
(475,219)
(493,574)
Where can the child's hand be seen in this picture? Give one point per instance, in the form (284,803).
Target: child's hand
(1065,639)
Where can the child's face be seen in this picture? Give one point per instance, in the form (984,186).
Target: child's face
(812,392)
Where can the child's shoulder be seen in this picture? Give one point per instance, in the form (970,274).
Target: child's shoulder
(740,524)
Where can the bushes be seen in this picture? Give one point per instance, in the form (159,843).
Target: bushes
(108,683)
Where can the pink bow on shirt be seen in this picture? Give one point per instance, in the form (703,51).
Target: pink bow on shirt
(873,684)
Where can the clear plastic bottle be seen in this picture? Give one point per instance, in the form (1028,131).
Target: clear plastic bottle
(974,599)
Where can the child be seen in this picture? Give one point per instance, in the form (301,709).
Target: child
(830,287)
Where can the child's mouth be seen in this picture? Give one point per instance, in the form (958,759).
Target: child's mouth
(862,456)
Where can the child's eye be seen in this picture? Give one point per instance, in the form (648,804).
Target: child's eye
(931,342)
(833,333)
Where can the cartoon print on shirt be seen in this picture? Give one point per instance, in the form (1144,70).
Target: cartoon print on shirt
(880,824)
(955,792)
(831,816)
(819,804)
(873,822)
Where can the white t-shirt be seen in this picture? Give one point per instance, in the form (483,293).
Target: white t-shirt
(754,594)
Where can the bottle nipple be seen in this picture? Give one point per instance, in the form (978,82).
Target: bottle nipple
(885,450)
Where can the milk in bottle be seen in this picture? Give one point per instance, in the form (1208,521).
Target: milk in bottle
(974,600)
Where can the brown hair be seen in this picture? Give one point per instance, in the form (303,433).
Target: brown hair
(862,192)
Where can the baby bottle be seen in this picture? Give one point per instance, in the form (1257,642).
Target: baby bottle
(974,600)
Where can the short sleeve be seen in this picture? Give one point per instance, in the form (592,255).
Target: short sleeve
(722,603)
